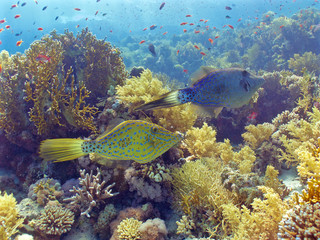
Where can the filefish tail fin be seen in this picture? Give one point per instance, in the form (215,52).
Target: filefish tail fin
(62,149)
(169,99)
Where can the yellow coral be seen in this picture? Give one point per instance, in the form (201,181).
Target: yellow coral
(271,179)
(300,142)
(9,217)
(260,223)
(255,135)
(308,60)
(128,229)
(138,90)
(311,194)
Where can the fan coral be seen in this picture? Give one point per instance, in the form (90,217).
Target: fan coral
(54,221)
(301,222)
(128,229)
(91,193)
(9,217)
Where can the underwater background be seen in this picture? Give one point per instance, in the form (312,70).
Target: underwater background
(82,69)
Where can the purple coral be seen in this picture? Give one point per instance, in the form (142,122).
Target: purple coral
(91,193)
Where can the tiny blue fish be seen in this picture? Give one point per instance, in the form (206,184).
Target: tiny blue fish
(211,91)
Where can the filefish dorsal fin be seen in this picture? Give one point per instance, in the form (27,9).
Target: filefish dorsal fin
(201,73)
(111,127)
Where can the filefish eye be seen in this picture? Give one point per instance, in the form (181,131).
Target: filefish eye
(154,129)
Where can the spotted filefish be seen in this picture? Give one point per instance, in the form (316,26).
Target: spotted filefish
(130,140)
(212,90)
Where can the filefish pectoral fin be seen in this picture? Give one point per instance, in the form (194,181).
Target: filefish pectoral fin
(205,111)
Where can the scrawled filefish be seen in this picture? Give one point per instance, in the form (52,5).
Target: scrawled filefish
(131,140)
(212,90)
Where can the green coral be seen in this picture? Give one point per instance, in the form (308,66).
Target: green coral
(308,61)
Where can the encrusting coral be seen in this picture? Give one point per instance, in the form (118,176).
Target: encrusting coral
(54,221)
(9,216)
(92,192)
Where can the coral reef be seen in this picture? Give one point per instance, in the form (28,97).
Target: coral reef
(153,229)
(53,222)
(9,216)
(128,229)
(92,192)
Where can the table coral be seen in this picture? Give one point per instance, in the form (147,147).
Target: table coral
(9,216)
(54,221)
(92,192)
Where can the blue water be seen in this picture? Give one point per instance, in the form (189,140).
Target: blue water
(128,18)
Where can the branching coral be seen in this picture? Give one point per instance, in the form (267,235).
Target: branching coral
(9,217)
(300,142)
(260,223)
(308,61)
(301,222)
(198,189)
(91,193)
(255,135)
(147,88)
(54,221)
(185,226)
(54,94)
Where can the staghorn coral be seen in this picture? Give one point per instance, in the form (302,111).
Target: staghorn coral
(9,216)
(128,229)
(54,221)
(92,192)
(301,222)
(259,223)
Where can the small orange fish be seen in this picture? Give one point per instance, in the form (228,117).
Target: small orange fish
(17,16)
(255,33)
(239,19)
(216,37)
(1,29)
(7,26)
(196,31)
(210,40)
(178,51)
(96,13)
(0,68)
(205,21)
(185,70)
(201,20)
(281,26)
(19,43)
(164,33)
(183,23)
(301,25)
(230,26)
(252,116)
(202,53)
(142,41)
(77,26)
(267,16)
(14,6)
(191,24)
(144,29)
(196,47)
(0,42)
(77,9)
(40,29)
(188,15)
(3,20)
(184,30)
